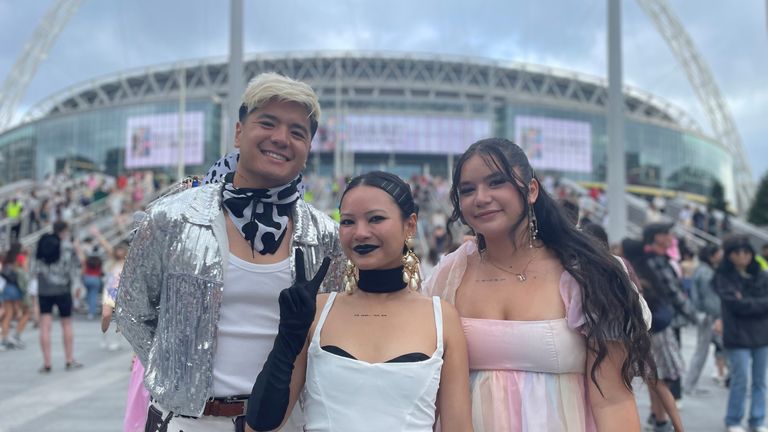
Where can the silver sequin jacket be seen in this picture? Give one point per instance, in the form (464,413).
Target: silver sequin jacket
(171,288)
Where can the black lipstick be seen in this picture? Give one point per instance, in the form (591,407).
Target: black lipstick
(364,249)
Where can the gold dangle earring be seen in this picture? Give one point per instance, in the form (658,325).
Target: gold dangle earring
(350,277)
(533,226)
(411,273)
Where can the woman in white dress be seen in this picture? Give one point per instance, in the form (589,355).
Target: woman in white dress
(380,356)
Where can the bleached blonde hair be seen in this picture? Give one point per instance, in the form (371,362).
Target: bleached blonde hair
(270,86)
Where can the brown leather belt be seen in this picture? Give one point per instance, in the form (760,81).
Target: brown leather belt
(225,407)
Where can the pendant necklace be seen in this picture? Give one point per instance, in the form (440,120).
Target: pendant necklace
(522,276)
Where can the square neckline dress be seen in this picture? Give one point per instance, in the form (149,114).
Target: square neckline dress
(525,376)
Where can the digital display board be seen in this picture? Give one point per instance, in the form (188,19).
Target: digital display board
(385,133)
(556,144)
(153,140)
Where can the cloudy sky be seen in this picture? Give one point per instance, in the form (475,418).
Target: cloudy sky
(106,36)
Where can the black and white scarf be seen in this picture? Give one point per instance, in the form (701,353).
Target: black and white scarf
(261,215)
(222,167)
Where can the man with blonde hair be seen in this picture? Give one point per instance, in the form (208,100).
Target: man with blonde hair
(198,297)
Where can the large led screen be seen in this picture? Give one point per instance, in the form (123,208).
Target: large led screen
(153,140)
(384,133)
(556,144)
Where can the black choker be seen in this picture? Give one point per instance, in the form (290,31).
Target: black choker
(381,281)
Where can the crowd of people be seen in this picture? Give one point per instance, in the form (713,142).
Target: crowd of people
(249,308)
(67,267)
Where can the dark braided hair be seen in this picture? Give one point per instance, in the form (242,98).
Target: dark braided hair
(611,304)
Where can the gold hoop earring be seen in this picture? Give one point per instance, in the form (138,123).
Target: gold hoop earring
(351,276)
(411,273)
(533,226)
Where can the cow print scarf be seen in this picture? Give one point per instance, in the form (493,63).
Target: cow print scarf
(261,215)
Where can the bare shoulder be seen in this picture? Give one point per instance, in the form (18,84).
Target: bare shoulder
(450,314)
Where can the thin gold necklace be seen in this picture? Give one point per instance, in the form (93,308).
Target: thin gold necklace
(521,276)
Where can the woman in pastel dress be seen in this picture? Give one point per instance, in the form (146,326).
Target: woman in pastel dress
(555,329)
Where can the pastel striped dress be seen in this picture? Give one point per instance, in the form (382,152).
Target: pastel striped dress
(525,376)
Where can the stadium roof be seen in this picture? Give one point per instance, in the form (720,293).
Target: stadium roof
(367,75)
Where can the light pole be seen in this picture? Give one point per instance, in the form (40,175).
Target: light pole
(223,138)
(235,72)
(617,171)
(182,109)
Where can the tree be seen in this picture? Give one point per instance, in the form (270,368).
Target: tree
(717,196)
(758,214)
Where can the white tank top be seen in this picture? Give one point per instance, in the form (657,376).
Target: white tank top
(247,325)
(348,395)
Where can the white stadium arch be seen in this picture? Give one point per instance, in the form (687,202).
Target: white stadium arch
(212,78)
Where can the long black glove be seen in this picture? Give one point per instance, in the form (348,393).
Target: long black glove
(269,397)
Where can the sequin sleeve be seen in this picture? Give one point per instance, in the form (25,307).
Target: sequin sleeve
(333,280)
(138,295)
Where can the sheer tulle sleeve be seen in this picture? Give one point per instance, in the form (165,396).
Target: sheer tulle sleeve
(446,276)
(570,291)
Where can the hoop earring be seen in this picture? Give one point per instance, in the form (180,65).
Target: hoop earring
(350,277)
(533,226)
(411,273)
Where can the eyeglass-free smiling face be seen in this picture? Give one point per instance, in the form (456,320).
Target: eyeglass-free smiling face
(489,203)
(372,230)
(274,142)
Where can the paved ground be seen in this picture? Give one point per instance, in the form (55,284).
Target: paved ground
(701,413)
(92,399)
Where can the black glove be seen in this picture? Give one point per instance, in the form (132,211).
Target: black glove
(270,394)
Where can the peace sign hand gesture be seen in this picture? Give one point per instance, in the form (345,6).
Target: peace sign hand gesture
(269,398)
(297,303)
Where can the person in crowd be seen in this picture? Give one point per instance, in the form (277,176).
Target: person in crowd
(92,263)
(45,211)
(439,242)
(34,209)
(699,219)
(685,216)
(401,354)
(662,301)
(687,266)
(187,303)
(14,296)
(762,259)
(743,291)
(13,212)
(111,281)
(30,299)
(653,213)
(658,390)
(707,302)
(56,268)
(554,327)
(659,243)
(138,397)
(712,222)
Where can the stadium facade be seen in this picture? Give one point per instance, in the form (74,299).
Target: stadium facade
(402,112)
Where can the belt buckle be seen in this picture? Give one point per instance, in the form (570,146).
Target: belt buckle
(245,407)
(218,407)
(234,399)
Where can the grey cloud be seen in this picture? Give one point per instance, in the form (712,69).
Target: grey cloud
(108,36)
